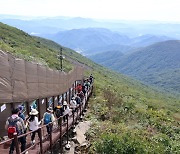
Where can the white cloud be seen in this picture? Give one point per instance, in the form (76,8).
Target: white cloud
(112,9)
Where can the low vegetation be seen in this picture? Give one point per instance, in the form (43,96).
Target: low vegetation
(129,117)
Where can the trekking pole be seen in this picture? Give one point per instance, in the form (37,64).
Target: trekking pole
(16,143)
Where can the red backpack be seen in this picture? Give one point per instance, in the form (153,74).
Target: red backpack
(12,127)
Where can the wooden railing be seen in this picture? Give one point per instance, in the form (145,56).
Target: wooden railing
(61,130)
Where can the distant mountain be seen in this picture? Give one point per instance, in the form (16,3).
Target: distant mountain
(96,40)
(157,64)
(55,24)
(148,39)
(89,40)
(134,44)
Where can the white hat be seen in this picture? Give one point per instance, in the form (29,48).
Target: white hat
(33,112)
(50,109)
(64,103)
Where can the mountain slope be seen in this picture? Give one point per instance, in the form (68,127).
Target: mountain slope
(153,65)
(106,58)
(127,116)
(33,48)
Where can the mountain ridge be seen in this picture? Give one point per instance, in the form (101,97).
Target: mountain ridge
(146,64)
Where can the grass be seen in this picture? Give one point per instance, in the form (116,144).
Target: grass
(129,117)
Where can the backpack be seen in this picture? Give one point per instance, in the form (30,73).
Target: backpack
(47,118)
(58,113)
(12,127)
(78,100)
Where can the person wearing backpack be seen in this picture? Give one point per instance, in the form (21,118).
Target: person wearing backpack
(15,124)
(73,104)
(58,110)
(91,79)
(34,124)
(48,118)
(79,88)
(66,111)
(77,99)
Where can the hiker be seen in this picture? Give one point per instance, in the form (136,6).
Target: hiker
(21,114)
(58,110)
(91,79)
(87,84)
(78,99)
(34,124)
(66,110)
(48,118)
(73,104)
(79,88)
(84,89)
(81,95)
(15,124)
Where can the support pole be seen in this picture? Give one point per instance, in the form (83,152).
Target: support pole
(67,130)
(60,129)
(51,137)
(16,143)
(41,146)
(39,108)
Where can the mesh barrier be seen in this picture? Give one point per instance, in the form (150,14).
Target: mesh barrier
(22,81)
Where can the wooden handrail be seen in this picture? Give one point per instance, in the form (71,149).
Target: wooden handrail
(78,110)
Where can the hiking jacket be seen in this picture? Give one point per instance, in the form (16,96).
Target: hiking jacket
(20,124)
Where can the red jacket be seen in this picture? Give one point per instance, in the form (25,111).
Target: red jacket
(79,88)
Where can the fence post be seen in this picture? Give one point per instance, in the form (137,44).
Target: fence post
(73,115)
(80,110)
(77,113)
(47,104)
(67,130)
(69,95)
(28,107)
(39,108)
(16,143)
(53,99)
(51,125)
(62,98)
(75,87)
(41,146)
(60,128)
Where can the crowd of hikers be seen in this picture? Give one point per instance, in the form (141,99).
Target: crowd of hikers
(18,123)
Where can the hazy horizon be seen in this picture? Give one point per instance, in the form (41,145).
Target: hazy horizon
(28,17)
(137,10)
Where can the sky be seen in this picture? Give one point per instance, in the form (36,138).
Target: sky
(157,10)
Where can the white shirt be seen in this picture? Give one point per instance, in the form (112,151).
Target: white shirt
(66,111)
(73,104)
(34,125)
